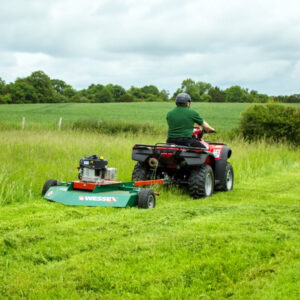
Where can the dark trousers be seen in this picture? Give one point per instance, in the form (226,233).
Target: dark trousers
(190,142)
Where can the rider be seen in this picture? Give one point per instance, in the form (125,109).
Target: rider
(181,121)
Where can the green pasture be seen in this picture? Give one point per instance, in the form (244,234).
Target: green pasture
(243,244)
(222,116)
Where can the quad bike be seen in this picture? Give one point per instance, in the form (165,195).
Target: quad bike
(202,170)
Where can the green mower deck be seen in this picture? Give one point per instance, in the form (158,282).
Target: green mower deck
(119,194)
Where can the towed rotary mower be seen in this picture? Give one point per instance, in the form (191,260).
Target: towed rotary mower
(97,186)
(202,170)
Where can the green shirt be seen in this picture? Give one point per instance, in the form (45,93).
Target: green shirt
(181,121)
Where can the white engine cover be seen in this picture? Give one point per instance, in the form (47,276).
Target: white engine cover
(111,174)
(105,174)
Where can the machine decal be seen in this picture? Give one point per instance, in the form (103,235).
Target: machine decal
(50,193)
(217,153)
(97,198)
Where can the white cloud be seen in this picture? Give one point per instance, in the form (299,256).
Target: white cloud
(251,43)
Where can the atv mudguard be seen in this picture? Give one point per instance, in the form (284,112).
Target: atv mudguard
(220,164)
(197,159)
(141,154)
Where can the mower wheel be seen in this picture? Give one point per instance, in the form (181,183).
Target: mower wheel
(48,184)
(146,199)
(139,172)
(201,182)
(226,183)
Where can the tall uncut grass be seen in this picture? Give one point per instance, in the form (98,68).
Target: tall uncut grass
(240,244)
(31,157)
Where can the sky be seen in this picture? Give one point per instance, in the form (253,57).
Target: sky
(254,44)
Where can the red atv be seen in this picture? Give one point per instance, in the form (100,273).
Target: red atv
(202,170)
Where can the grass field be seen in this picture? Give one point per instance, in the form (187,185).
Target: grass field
(240,244)
(223,116)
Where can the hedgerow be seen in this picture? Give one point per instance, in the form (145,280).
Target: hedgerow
(272,121)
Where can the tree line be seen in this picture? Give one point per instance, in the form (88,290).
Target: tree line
(40,88)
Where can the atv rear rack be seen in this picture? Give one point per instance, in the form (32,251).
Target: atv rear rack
(166,146)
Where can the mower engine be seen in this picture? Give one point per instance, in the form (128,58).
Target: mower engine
(94,169)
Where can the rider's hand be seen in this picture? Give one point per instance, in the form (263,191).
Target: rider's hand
(208,128)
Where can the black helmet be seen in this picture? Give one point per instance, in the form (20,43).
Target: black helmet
(183,98)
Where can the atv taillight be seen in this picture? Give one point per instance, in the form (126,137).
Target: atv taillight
(208,160)
(198,150)
(167,155)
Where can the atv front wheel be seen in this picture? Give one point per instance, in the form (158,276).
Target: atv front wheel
(48,184)
(226,183)
(146,199)
(201,182)
(140,172)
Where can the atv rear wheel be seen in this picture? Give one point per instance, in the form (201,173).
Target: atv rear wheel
(226,183)
(146,199)
(48,184)
(201,182)
(140,172)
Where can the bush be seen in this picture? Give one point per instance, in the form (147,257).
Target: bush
(272,121)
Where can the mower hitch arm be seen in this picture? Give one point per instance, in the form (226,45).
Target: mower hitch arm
(148,182)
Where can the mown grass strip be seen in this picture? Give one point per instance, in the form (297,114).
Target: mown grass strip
(215,247)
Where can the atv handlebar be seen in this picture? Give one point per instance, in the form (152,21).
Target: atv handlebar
(205,131)
(200,129)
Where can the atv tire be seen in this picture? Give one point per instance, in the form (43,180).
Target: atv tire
(201,182)
(146,199)
(140,172)
(226,183)
(48,184)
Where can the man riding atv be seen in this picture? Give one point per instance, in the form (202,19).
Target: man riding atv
(181,121)
(186,159)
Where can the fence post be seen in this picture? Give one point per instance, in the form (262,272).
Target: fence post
(23,123)
(59,123)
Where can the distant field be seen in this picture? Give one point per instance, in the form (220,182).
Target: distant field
(222,116)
